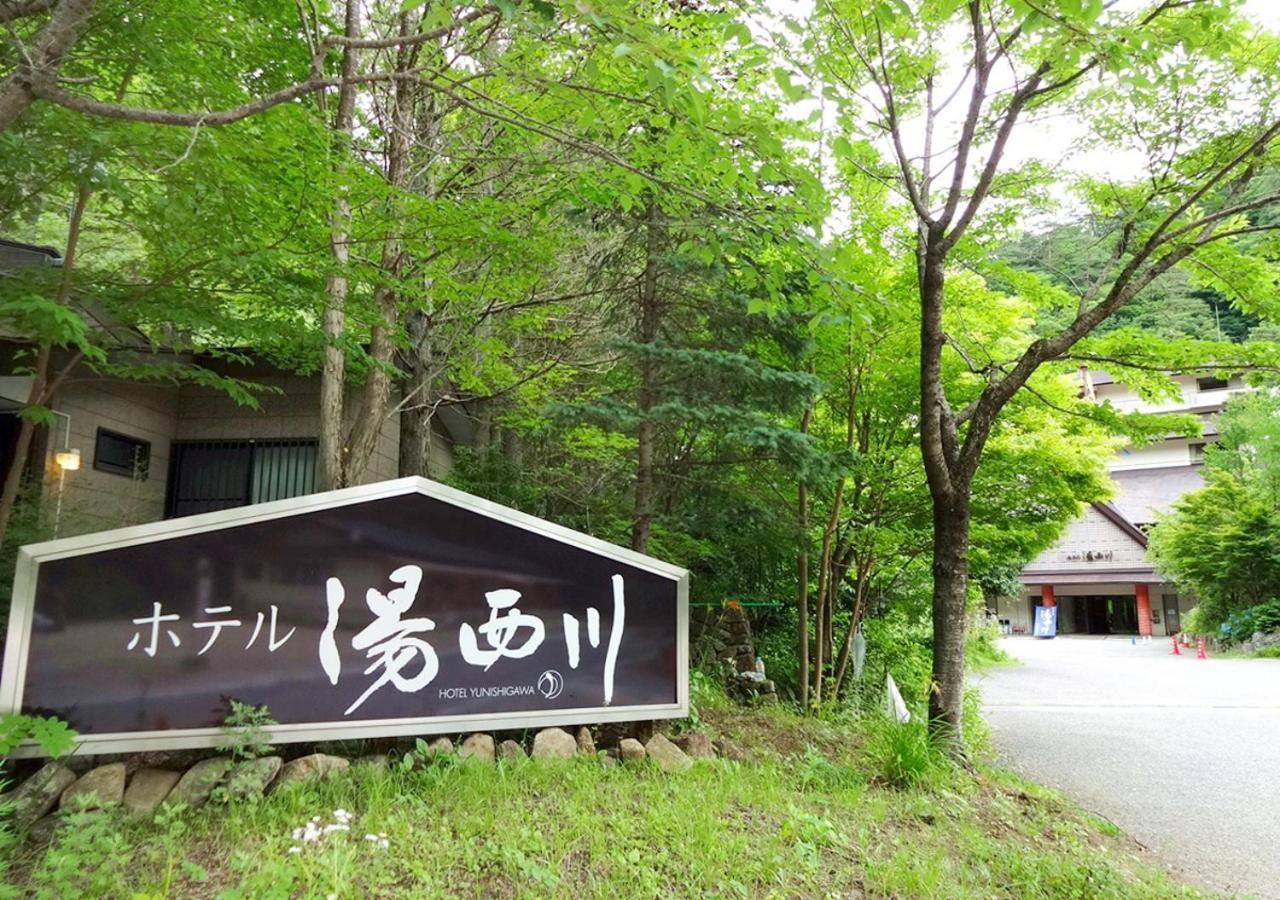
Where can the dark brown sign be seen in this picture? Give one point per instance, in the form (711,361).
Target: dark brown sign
(404,607)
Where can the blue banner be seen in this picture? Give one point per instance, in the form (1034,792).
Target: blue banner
(1046,621)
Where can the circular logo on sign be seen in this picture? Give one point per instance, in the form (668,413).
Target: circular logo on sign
(550,684)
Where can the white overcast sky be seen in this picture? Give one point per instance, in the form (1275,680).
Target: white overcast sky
(1047,141)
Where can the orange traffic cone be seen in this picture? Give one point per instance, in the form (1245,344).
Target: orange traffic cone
(1175,651)
(1200,654)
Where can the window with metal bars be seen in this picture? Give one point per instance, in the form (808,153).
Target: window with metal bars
(210,475)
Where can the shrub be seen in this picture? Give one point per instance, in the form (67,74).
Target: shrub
(1264,617)
(1200,620)
(1242,624)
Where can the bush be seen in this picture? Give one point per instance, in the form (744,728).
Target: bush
(982,645)
(1241,624)
(1200,620)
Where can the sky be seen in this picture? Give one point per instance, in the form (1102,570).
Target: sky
(1033,141)
(1048,141)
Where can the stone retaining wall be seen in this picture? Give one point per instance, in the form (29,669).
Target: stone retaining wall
(141,783)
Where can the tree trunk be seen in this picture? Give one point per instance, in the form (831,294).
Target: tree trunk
(949,473)
(650,316)
(417,397)
(826,593)
(26,433)
(855,620)
(802,577)
(367,427)
(42,385)
(419,360)
(950,584)
(333,374)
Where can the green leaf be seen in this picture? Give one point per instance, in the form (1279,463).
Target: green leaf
(790,90)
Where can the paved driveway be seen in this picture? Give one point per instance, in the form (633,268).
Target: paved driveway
(1183,754)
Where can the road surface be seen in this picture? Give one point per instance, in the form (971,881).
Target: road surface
(1183,754)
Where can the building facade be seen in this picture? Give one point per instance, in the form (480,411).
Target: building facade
(125,452)
(1098,574)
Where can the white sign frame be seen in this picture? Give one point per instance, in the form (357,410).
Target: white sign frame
(30,557)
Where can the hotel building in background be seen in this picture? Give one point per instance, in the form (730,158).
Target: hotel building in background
(1098,573)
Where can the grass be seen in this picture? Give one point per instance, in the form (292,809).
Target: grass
(812,810)
(1269,652)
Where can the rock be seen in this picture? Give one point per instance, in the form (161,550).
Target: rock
(667,755)
(479,747)
(194,787)
(554,743)
(42,832)
(585,742)
(96,788)
(311,767)
(608,762)
(729,750)
(252,777)
(38,794)
(697,745)
(148,788)
(631,750)
(441,746)
(510,749)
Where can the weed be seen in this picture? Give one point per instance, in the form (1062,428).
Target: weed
(901,754)
(246,730)
(88,857)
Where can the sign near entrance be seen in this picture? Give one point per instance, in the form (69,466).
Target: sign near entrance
(404,607)
(1046,624)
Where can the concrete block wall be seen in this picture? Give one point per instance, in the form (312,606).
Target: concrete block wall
(94,500)
(291,409)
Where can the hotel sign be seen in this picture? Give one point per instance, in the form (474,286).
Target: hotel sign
(404,607)
(1089,555)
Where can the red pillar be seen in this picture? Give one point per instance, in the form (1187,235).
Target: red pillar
(1046,595)
(1144,609)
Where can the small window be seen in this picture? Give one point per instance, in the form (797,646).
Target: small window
(121,455)
(1197,453)
(1211,384)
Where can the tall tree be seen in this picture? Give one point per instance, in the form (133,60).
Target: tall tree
(1187,85)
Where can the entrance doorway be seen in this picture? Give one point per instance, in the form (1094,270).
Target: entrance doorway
(1172,619)
(1100,614)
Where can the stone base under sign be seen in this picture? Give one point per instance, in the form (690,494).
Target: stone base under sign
(140,783)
